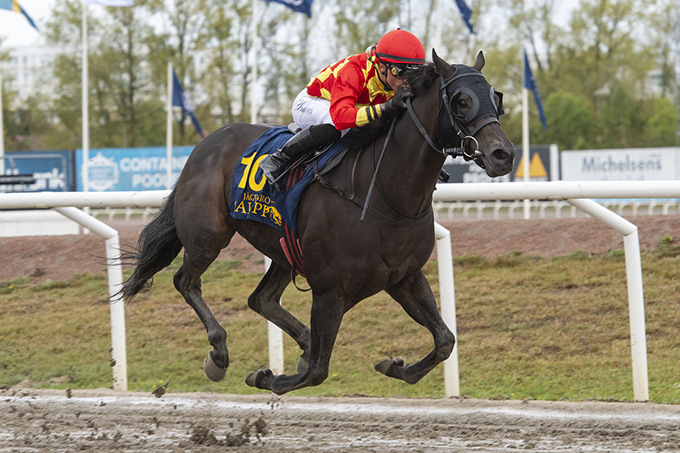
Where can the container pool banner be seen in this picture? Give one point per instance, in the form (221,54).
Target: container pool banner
(130,169)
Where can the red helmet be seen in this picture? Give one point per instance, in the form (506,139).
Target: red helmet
(400,46)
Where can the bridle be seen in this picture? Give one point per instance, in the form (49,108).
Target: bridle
(453,128)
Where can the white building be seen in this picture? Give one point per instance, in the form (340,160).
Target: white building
(29,70)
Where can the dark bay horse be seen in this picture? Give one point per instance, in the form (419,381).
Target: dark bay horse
(346,260)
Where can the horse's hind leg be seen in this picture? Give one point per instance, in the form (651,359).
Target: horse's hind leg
(415,296)
(199,254)
(265,301)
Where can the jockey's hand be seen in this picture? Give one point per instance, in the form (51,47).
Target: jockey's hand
(397,103)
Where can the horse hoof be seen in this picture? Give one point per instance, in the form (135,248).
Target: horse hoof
(260,379)
(387,366)
(214,372)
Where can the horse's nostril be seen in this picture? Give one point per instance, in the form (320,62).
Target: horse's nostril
(500,154)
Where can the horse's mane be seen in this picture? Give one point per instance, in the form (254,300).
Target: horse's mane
(419,80)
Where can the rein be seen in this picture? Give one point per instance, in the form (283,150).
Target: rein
(375,172)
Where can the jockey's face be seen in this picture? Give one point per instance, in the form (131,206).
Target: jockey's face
(397,83)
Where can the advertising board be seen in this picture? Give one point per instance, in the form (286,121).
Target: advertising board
(115,169)
(632,164)
(52,171)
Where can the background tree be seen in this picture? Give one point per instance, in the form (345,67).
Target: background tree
(606,70)
(121,87)
(186,39)
(64,31)
(605,60)
(221,69)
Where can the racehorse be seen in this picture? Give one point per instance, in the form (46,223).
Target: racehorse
(351,251)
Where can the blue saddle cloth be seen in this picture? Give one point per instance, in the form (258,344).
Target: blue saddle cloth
(252,198)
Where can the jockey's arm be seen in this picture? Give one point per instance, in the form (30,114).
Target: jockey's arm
(344,109)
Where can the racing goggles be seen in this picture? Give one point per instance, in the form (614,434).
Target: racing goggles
(400,70)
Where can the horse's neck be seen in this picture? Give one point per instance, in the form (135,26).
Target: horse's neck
(410,168)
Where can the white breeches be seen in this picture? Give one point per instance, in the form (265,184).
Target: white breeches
(309,110)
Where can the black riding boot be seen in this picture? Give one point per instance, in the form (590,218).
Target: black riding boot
(308,140)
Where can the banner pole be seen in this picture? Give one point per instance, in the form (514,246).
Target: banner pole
(525,136)
(253,88)
(2,133)
(168,124)
(85,106)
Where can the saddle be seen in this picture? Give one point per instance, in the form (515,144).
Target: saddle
(252,198)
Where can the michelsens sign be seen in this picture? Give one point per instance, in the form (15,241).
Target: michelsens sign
(629,164)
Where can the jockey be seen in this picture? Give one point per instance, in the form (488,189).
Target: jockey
(347,94)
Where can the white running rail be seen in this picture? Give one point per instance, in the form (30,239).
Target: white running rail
(577,194)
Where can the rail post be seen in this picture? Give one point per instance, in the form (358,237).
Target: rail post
(116,305)
(636,299)
(447,299)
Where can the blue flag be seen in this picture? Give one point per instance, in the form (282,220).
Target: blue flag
(301,6)
(530,84)
(179,99)
(466,12)
(13,5)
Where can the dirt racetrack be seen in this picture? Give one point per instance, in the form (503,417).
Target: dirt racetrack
(60,257)
(103,420)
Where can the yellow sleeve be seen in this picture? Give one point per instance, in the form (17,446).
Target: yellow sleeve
(368,114)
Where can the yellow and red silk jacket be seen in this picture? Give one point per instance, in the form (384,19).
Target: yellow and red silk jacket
(354,90)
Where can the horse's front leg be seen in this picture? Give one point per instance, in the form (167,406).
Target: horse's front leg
(326,317)
(265,301)
(415,296)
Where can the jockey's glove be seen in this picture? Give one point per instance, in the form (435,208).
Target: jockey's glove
(397,103)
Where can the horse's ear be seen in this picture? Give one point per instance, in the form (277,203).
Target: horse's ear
(479,64)
(443,68)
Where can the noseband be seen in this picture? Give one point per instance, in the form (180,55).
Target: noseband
(453,128)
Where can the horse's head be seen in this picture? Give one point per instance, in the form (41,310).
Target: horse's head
(469,108)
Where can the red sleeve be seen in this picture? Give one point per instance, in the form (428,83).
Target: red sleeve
(349,84)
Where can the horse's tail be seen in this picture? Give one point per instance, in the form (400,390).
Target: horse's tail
(157,246)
